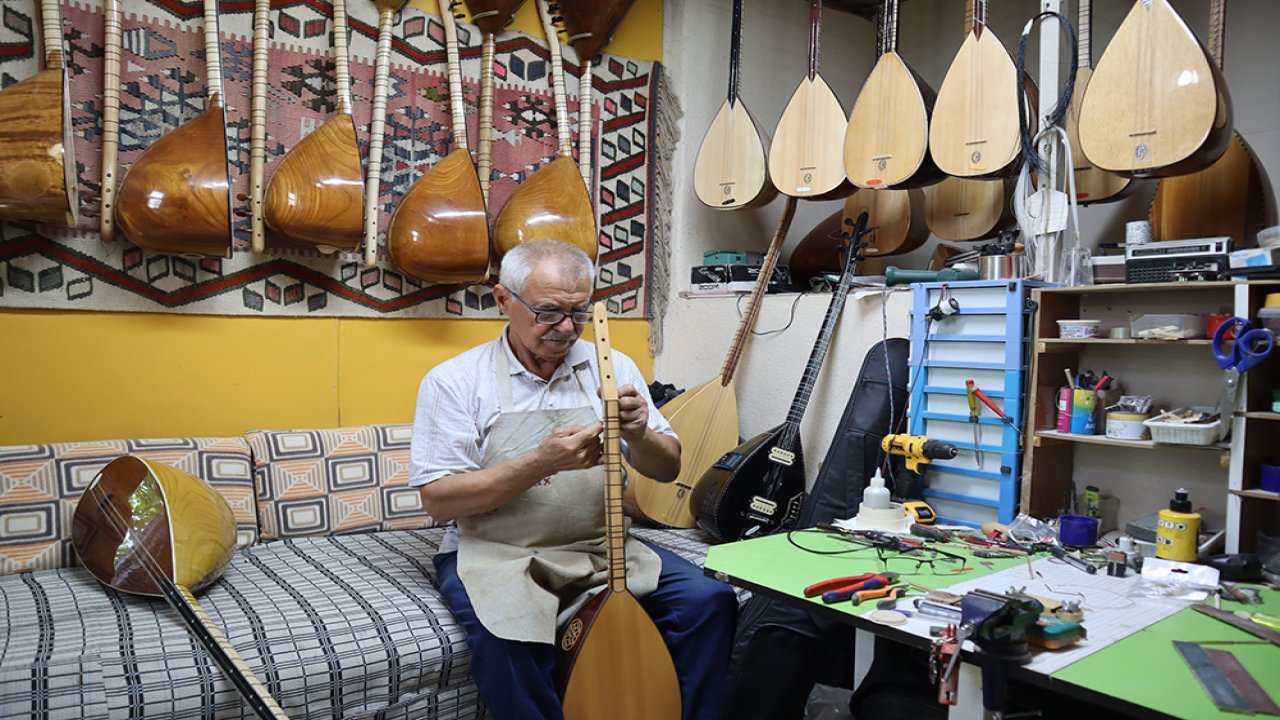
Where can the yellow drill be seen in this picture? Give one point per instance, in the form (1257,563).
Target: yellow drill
(917,449)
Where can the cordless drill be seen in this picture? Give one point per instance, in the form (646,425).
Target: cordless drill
(917,449)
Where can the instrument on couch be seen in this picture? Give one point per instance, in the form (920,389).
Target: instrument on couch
(37,150)
(612,661)
(804,158)
(758,488)
(1156,106)
(110,118)
(887,142)
(491,16)
(377,126)
(590,24)
(1093,184)
(440,231)
(705,417)
(975,130)
(1227,199)
(553,203)
(316,195)
(147,528)
(175,197)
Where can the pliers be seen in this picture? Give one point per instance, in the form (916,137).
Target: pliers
(843,588)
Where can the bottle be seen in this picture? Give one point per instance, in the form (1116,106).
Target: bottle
(1178,530)
(876,495)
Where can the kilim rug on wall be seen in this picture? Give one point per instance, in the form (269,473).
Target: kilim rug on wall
(163,85)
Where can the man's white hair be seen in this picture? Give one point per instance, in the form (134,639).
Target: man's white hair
(520,262)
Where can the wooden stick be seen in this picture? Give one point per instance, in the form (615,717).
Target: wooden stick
(258,124)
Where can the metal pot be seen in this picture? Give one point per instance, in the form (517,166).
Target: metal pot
(1002,267)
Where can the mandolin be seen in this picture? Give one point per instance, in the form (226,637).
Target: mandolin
(590,24)
(175,196)
(804,158)
(491,16)
(110,118)
(1230,197)
(146,528)
(1157,106)
(440,231)
(887,142)
(37,152)
(316,195)
(611,659)
(553,203)
(378,126)
(705,417)
(758,487)
(960,209)
(732,170)
(1093,184)
(975,130)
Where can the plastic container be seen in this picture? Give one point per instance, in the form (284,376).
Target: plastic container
(1078,329)
(1175,433)
(1269,478)
(1078,530)
(1168,326)
(1269,318)
(1128,425)
(1269,237)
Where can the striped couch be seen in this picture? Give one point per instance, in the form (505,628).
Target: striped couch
(331,598)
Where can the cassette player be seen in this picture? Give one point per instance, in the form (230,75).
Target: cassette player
(1171,260)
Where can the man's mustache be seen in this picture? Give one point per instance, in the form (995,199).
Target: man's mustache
(558,337)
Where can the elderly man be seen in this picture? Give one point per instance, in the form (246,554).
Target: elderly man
(507,443)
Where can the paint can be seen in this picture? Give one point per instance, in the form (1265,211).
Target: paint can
(1064,409)
(1083,418)
(1127,425)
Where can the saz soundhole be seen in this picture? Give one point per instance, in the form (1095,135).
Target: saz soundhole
(572,634)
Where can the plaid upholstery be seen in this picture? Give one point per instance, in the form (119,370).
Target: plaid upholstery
(40,485)
(344,480)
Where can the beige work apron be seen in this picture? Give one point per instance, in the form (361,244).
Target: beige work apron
(544,553)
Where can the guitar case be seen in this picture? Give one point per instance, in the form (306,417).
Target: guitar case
(781,650)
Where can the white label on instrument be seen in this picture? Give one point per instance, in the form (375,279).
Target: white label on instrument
(781,456)
(763,506)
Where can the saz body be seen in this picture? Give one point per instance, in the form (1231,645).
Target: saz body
(960,209)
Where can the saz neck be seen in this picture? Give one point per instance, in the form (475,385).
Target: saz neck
(889,27)
(977,17)
(457,109)
(213,57)
(557,79)
(1218,31)
(51,25)
(757,293)
(735,52)
(815,36)
(1084,35)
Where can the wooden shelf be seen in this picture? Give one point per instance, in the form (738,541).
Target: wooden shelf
(1139,444)
(1119,288)
(1263,415)
(1257,494)
(1054,344)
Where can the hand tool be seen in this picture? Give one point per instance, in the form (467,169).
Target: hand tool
(843,588)
(891,600)
(930,533)
(1072,560)
(863,595)
(973,419)
(917,449)
(1249,348)
(996,409)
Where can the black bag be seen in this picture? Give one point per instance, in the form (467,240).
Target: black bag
(781,650)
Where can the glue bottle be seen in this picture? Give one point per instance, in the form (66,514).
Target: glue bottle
(1178,530)
(876,495)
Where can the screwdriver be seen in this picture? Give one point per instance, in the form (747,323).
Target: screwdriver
(970,391)
(996,409)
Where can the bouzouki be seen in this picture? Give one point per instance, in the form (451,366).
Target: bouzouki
(37,151)
(590,24)
(316,195)
(705,417)
(1093,184)
(1229,198)
(440,231)
(804,157)
(175,197)
(975,130)
(491,16)
(147,528)
(553,204)
(758,487)
(887,142)
(378,127)
(732,170)
(1157,106)
(110,117)
(611,660)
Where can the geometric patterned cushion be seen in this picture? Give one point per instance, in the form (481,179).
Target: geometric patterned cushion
(41,484)
(342,480)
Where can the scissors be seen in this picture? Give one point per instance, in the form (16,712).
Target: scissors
(1250,348)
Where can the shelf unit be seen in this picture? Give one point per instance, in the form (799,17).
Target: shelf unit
(1255,430)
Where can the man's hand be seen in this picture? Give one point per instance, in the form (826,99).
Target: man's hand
(573,447)
(633,413)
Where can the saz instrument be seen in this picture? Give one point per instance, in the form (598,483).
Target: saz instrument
(316,195)
(804,158)
(887,142)
(612,660)
(175,196)
(895,225)
(705,417)
(732,170)
(1156,106)
(110,117)
(975,130)
(37,151)
(1230,197)
(1093,185)
(590,24)
(377,127)
(440,231)
(147,528)
(758,487)
(491,16)
(553,204)
(960,209)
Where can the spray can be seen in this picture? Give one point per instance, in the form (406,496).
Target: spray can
(1064,409)
(1178,530)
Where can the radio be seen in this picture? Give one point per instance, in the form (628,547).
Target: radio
(1195,259)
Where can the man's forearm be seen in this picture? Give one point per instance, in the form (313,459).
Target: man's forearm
(655,455)
(455,496)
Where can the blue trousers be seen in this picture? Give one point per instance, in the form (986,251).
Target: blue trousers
(694,613)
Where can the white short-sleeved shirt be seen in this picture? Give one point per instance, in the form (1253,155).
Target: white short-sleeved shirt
(458,404)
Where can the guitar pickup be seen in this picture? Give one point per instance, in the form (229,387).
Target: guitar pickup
(782,457)
(763,506)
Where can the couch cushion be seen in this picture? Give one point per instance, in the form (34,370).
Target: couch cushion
(343,480)
(40,485)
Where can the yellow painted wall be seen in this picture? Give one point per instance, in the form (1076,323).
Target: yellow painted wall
(90,376)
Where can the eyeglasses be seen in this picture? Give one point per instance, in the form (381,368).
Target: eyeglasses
(554,317)
(917,562)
